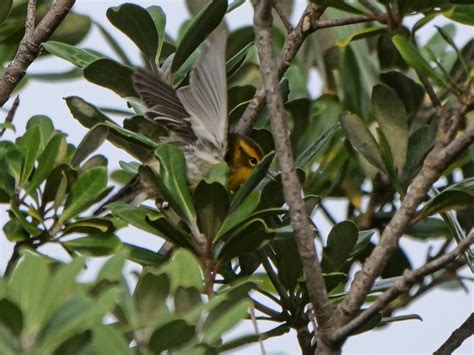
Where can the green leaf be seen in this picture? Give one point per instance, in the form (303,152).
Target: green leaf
(212,203)
(253,338)
(150,295)
(341,241)
(413,58)
(173,334)
(252,181)
(448,200)
(108,340)
(51,157)
(184,270)
(364,33)
(363,240)
(85,191)
(136,216)
(204,23)
(170,231)
(99,244)
(369,324)
(5,8)
(460,13)
(14,231)
(246,239)
(226,319)
(240,214)
(312,151)
(429,228)
(92,141)
(90,225)
(185,299)
(72,29)
(79,57)
(135,22)
(361,139)
(234,63)
(393,121)
(113,44)
(14,158)
(11,317)
(144,257)
(386,320)
(45,125)
(30,144)
(111,75)
(172,176)
(29,285)
(9,344)
(159,19)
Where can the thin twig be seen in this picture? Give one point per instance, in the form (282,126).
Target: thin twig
(11,114)
(29,47)
(282,16)
(346,21)
(455,340)
(285,299)
(408,279)
(292,45)
(255,327)
(291,185)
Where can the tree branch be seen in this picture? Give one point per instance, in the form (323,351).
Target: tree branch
(11,114)
(292,45)
(291,186)
(435,163)
(409,279)
(457,337)
(346,21)
(29,47)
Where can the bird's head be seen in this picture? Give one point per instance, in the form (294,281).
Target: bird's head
(242,156)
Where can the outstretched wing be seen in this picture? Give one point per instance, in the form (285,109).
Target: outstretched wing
(205,99)
(164,106)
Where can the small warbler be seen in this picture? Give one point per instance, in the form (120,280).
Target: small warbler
(197,121)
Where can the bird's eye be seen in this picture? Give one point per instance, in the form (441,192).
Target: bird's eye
(253,161)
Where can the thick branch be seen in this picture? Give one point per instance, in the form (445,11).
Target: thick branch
(435,163)
(29,47)
(409,279)
(292,45)
(291,186)
(465,331)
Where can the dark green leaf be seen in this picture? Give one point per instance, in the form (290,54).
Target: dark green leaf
(460,13)
(212,203)
(92,141)
(144,257)
(138,25)
(159,18)
(5,7)
(386,320)
(90,226)
(113,44)
(234,63)
(99,244)
(112,75)
(341,241)
(204,23)
(316,148)
(253,338)
(173,334)
(369,324)
(393,121)
(169,231)
(85,191)
(14,231)
(361,139)
(364,33)
(448,200)
(136,216)
(11,317)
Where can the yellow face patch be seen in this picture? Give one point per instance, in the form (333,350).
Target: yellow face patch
(244,156)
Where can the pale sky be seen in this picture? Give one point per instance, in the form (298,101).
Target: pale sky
(442,310)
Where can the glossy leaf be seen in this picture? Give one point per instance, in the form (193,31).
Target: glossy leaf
(204,23)
(112,75)
(136,216)
(137,23)
(393,121)
(85,191)
(30,145)
(51,157)
(411,55)
(173,177)
(364,33)
(341,241)
(79,57)
(173,334)
(212,203)
(99,244)
(361,139)
(92,141)
(448,200)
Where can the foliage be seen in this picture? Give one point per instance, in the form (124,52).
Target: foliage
(371,126)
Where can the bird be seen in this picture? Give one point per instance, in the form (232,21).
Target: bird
(196,119)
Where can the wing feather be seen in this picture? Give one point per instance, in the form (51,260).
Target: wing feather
(206,97)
